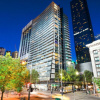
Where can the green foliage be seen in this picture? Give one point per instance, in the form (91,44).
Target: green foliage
(34,76)
(67,76)
(88,76)
(72,73)
(12,73)
(97,81)
(19,89)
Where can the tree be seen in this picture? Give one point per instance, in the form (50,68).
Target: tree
(88,76)
(34,76)
(12,74)
(67,76)
(72,73)
(57,77)
(97,81)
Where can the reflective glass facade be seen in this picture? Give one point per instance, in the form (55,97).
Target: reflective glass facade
(45,42)
(82,29)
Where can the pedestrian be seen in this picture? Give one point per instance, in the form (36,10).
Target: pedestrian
(73,89)
(86,92)
(19,94)
(89,91)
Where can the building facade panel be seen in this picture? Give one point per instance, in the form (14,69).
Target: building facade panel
(94,49)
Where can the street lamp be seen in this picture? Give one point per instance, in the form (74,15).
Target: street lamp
(29,83)
(85,81)
(23,63)
(77,73)
(61,84)
(68,62)
(93,85)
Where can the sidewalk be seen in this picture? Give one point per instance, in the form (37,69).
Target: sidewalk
(95,95)
(33,96)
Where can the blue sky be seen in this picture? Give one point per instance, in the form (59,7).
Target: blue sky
(15,14)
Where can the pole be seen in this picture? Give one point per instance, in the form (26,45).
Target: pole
(29,85)
(51,91)
(61,84)
(93,86)
(85,81)
(73,91)
(29,92)
(74,95)
(47,85)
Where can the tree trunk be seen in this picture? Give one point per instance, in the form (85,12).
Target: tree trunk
(2,95)
(29,92)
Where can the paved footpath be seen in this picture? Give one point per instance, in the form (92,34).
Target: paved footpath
(79,95)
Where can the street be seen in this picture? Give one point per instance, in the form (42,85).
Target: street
(46,95)
(80,96)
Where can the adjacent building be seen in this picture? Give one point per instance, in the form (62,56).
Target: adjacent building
(97,37)
(15,54)
(2,51)
(94,49)
(82,29)
(45,42)
(8,52)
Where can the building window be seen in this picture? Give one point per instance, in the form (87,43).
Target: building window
(98,65)
(96,59)
(95,52)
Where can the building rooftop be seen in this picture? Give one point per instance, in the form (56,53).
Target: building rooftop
(97,42)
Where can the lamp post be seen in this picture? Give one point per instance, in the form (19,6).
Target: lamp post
(77,73)
(47,83)
(24,63)
(93,85)
(30,83)
(85,81)
(61,84)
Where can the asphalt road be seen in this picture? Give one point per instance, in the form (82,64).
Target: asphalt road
(81,96)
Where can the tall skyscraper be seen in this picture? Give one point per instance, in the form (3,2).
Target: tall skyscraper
(82,29)
(2,51)
(45,42)
(15,54)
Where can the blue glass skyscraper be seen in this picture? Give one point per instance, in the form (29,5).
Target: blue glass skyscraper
(45,42)
(82,29)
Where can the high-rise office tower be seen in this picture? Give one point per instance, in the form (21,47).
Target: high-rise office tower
(15,54)
(45,42)
(82,29)
(2,51)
